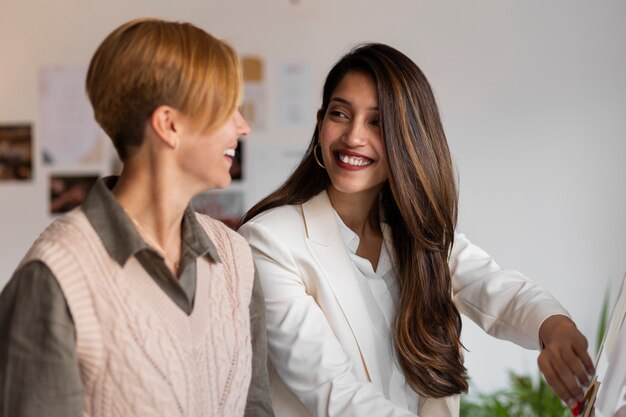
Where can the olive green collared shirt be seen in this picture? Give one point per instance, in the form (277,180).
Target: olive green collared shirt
(39,370)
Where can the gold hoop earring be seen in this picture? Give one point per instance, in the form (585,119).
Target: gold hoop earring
(315,156)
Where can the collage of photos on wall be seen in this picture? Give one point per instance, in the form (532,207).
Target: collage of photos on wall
(75,151)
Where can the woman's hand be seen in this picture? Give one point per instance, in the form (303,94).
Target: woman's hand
(564,360)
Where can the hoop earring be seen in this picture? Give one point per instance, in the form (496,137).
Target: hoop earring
(315,156)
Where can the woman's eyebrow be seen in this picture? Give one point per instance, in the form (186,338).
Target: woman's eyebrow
(347,102)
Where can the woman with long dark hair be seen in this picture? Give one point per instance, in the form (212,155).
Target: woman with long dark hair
(363,273)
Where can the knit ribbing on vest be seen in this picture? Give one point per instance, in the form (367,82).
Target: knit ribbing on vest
(139,353)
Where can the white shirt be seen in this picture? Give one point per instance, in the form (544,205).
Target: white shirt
(380,291)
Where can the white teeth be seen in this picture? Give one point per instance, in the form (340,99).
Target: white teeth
(230,152)
(354,161)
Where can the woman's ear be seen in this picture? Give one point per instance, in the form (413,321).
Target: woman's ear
(166,123)
(320,117)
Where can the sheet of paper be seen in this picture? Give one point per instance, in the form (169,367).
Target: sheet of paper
(295,98)
(68,131)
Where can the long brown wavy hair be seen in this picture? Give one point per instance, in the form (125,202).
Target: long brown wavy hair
(419,202)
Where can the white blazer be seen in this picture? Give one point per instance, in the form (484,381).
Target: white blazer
(321,349)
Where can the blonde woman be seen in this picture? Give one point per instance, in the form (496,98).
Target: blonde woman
(133,304)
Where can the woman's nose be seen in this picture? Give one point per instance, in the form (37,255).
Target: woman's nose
(355,135)
(243,128)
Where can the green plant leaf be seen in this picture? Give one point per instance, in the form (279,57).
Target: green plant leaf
(604,317)
(524,397)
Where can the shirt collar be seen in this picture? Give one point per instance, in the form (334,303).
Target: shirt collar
(351,240)
(121,239)
(348,236)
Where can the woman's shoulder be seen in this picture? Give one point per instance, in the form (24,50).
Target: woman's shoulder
(280,221)
(291,213)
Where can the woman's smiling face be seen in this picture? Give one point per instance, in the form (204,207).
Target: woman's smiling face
(350,136)
(207,157)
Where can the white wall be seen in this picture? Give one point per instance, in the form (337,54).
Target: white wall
(533,96)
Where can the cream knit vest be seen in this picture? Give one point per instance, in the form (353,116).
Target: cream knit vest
(139,353)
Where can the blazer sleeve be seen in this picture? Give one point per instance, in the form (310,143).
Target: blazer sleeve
(506,304)
(301,344)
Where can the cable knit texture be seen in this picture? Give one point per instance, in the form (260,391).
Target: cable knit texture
(139,353)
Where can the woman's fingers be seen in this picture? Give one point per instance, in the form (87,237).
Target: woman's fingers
(566,365)
(560,377)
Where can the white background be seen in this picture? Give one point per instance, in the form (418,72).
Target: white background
(532,94)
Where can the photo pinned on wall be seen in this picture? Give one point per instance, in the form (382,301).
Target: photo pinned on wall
(225,206)
(254,103)
(69,191)
(69,134)
(16,152)
(236,169)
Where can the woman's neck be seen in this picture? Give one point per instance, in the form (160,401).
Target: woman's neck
(156,205)
(358,211)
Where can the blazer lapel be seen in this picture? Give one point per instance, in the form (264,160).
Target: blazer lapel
(326,245)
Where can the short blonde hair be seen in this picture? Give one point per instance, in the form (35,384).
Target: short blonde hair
(146,63)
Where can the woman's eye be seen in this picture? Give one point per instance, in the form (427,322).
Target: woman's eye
(375,123)
(337,113)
